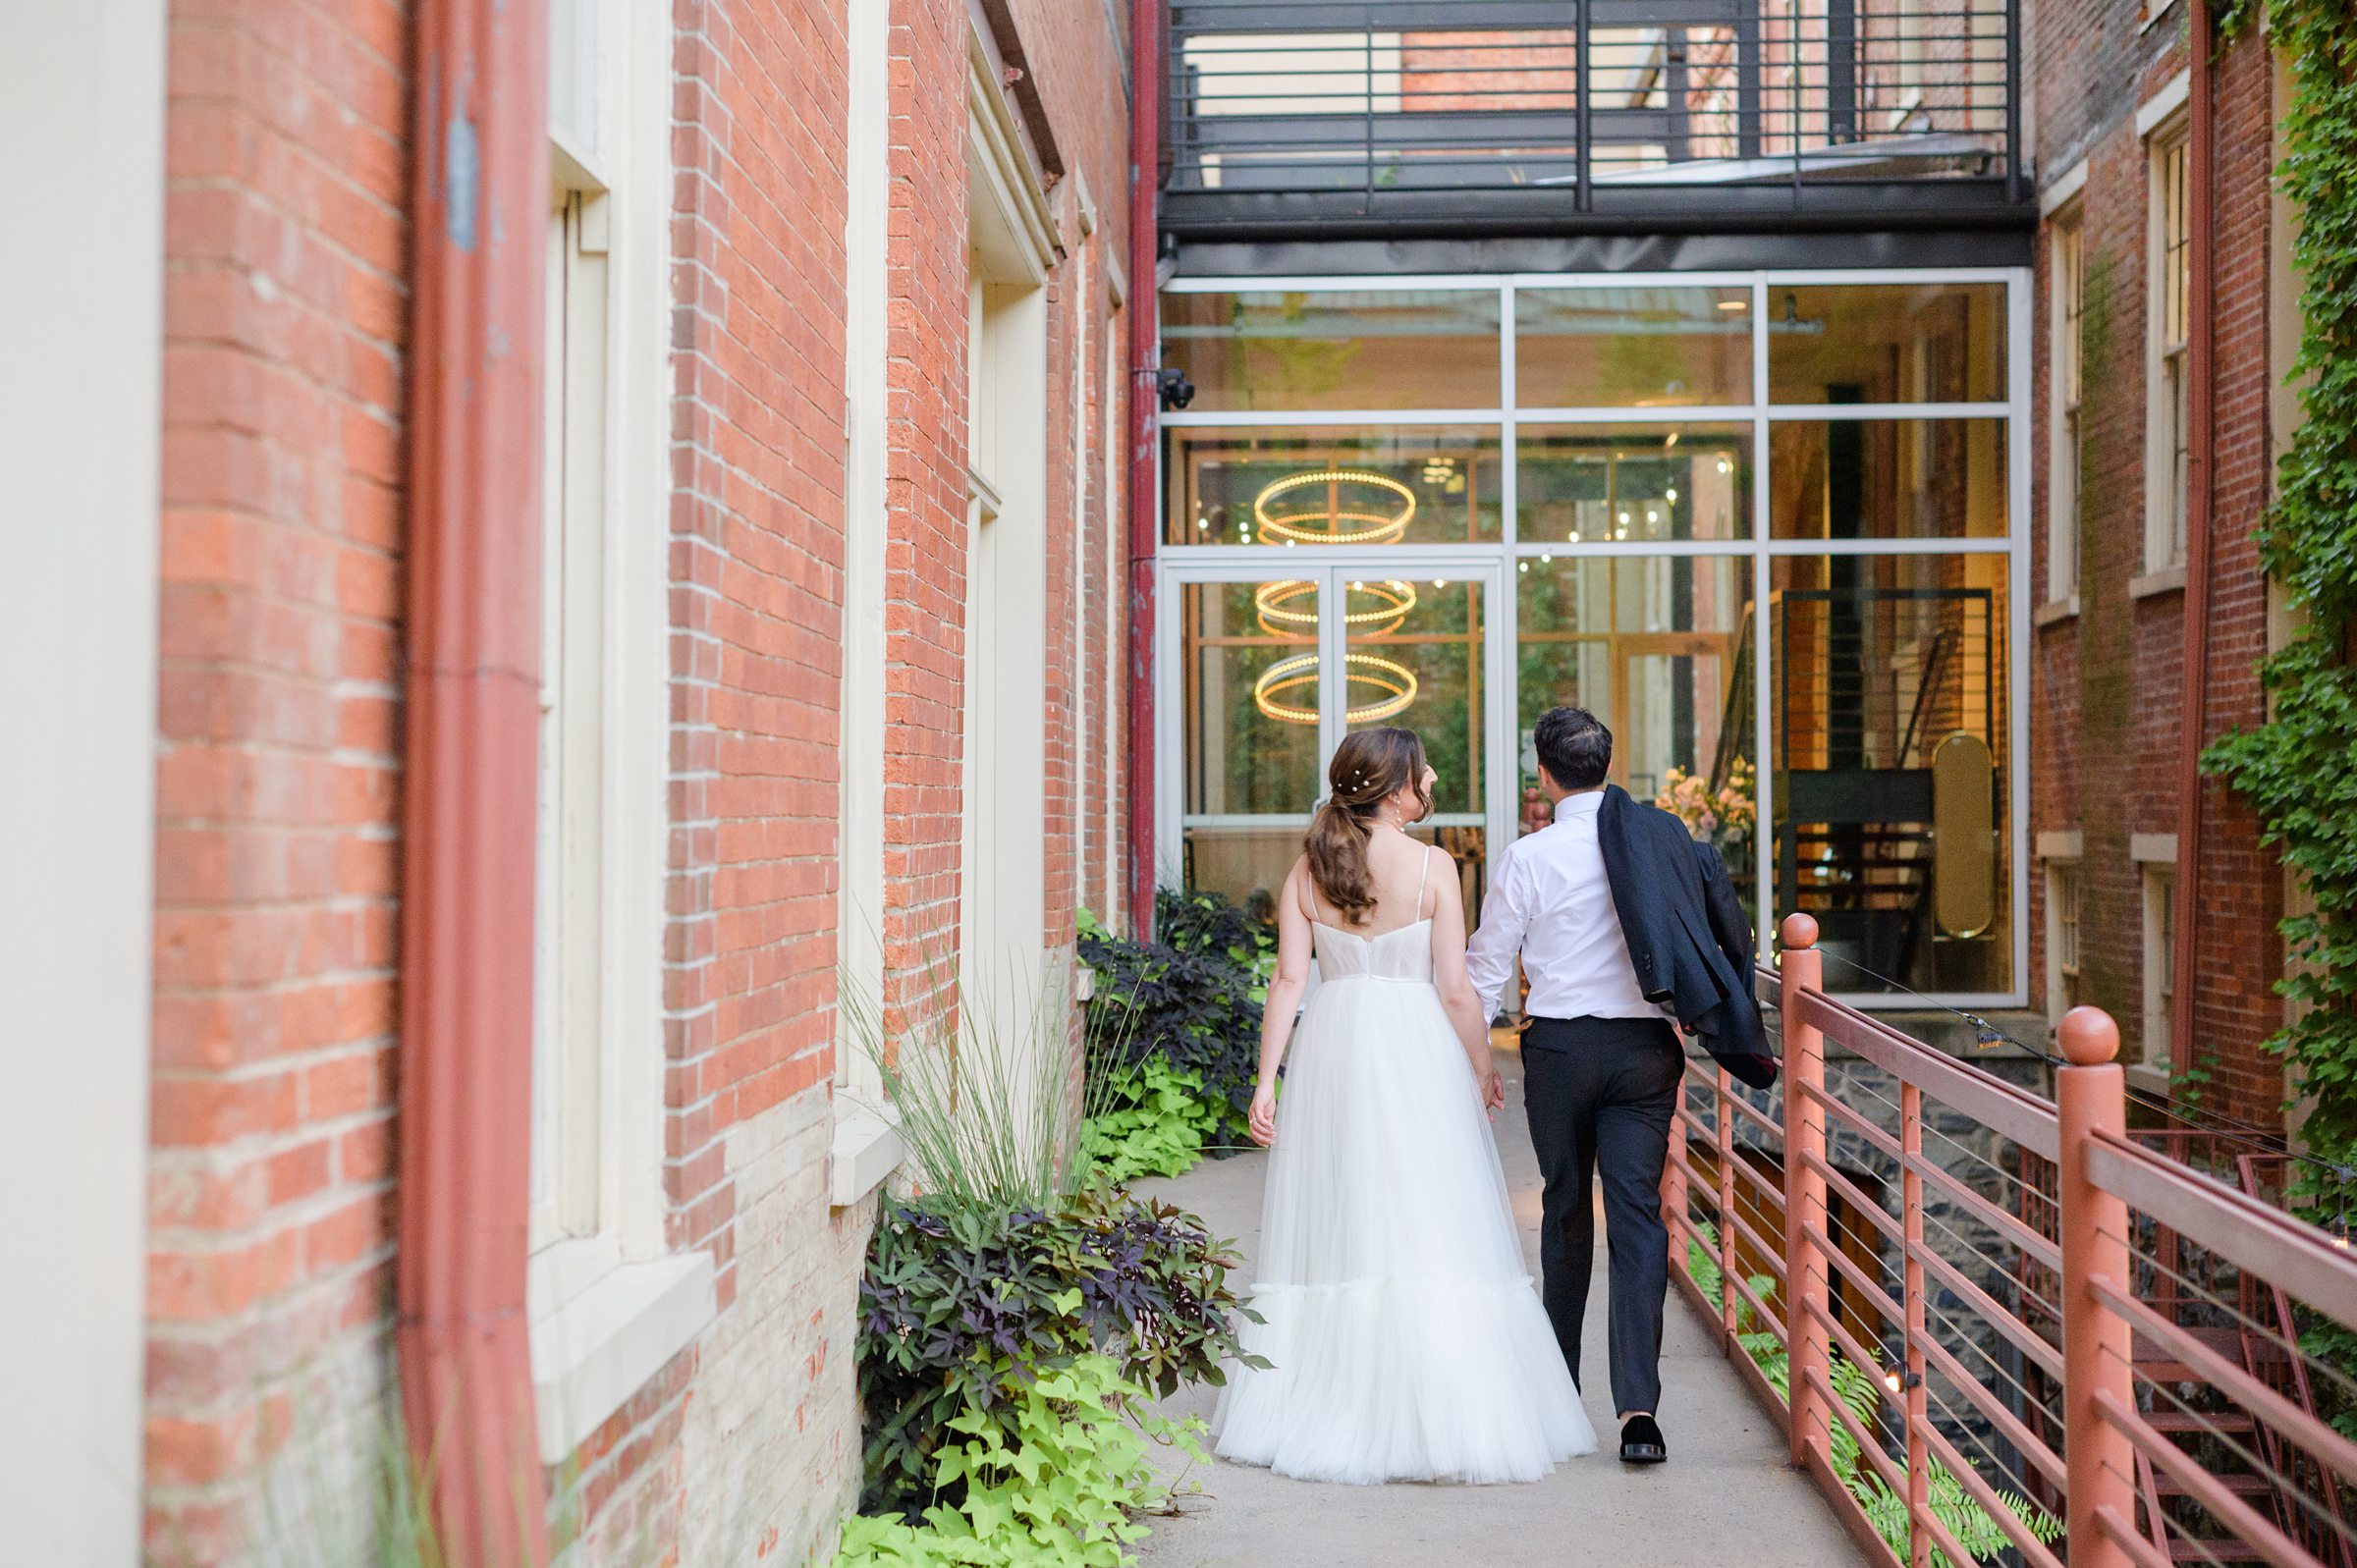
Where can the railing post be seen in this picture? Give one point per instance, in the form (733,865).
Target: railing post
(1724,1141)
(1801,969)
(1674,1207)
(1912,1390)
(2091,1099)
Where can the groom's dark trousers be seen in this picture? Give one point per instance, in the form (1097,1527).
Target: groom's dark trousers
(1600,1093)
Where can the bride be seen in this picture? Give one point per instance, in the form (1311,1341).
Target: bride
(1404,1340)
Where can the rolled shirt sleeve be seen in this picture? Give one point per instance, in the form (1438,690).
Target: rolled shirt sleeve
(1489,956)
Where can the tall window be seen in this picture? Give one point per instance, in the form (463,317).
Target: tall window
(609,1302)
(2068,302)
(2169,395)
(2062,935)
(566,1086)
(2159,960)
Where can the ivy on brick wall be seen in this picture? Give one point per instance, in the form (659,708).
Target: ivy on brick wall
(2299,769)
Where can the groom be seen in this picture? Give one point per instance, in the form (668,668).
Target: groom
(1624,924)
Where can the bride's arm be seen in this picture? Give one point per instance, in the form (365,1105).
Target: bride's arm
(1284,1001)
(1456,985)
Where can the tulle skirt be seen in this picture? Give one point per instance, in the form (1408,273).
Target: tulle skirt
(1406,1338)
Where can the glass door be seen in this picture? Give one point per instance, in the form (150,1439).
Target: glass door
(1420,652)
(1245,691)
(1253,709)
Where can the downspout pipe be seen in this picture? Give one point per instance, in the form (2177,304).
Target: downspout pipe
(481,179)
(2201,443)
(1145,408)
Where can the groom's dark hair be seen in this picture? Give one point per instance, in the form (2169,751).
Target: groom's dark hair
(1574,746)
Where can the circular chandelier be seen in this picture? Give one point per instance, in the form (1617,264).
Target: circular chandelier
(1334,521)
(1393,685)
(1284,613)
(1290,608)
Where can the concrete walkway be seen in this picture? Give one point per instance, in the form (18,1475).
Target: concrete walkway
(1726,1495)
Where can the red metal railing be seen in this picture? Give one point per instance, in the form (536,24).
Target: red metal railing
(1998,1327)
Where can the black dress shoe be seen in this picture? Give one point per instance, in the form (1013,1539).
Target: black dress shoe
(1641,1441)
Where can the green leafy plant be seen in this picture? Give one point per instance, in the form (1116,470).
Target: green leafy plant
(1198,920)
(1150,1119)
(1197,1009)
(961,1308)
(1055,1479)
(2298,770)
(1959,1513)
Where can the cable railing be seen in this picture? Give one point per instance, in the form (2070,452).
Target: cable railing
(1995,1326)
(1361,108)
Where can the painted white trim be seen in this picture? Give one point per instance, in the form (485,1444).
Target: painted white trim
(601,1328)
(82,109)
(863,1149)
(860,895)
(1009,220)
(1318,419)
(2164,103)
(2063,190)
(2020,319)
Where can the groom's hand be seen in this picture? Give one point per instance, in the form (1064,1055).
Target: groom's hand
(1493,1091)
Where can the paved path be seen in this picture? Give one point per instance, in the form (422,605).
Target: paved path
(1726,1495)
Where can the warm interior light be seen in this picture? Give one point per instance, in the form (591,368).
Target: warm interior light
(1335,520)
(1393,683)
(1735,304)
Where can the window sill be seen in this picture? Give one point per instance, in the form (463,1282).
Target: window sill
(2059,609)
(602,1328)
(866,1149)
(2167,579)
(2149,1078)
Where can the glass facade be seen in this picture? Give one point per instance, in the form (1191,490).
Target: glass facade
(1766,527)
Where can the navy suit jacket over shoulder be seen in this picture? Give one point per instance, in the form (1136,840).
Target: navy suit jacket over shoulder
(1689,938)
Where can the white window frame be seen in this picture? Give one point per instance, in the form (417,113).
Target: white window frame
(608,1304)
(2168,390)
(2159,883)
(1202,563)
(2066,301)
(1012,248)
(866,1146)
(2066,913)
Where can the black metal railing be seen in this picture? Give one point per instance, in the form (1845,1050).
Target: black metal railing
(1589,109)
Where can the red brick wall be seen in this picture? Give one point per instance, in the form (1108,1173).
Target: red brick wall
(278,780)
(2241,954)
(924,496)
(277,992)
(2108,683)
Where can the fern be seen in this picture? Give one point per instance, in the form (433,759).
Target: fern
(1860,1393)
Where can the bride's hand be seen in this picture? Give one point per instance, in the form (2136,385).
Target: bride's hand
(1262,1120)
(1493,1089)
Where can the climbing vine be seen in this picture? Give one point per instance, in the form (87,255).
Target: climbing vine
(2298,770)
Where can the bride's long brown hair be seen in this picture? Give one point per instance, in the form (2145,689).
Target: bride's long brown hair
(1368,768)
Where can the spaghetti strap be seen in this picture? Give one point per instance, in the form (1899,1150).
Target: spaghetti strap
(1421,878)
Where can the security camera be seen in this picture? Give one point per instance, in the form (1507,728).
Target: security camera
(1176,391)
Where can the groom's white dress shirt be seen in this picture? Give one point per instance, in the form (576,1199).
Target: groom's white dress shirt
(1550,900)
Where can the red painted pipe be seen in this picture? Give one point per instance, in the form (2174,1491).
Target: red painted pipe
(1145,407)
(481,203)
(2200,443)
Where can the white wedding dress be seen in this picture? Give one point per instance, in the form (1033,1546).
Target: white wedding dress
(1406,1340)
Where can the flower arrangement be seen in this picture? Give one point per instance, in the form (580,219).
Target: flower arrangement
(1723,817)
